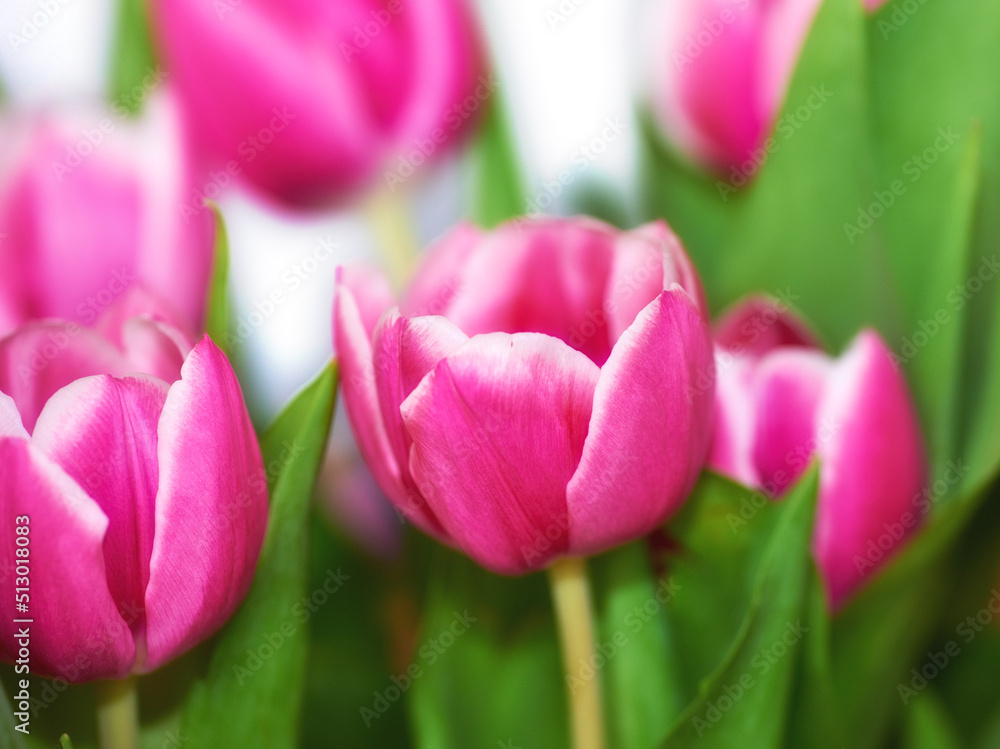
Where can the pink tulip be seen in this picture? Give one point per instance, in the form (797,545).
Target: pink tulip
(532,396)
(720,74)
(89,207)
(780,401)
(308,99)
(144,495)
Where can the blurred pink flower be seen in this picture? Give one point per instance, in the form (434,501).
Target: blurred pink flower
(90,206)
(309,99)
(720,74)
(532,396)
(144,495)
(780,401)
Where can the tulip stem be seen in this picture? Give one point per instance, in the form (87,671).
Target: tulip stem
(389,214)
(571,596)
(118,714)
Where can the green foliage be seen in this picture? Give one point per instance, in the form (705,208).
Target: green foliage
(252,692)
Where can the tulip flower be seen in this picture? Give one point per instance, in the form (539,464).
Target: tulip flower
(532,396)
(780,401)
(307,100)
(89,207)
(143,495)
(720,74)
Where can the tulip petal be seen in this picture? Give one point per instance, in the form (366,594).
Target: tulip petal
(647,260)
(371,292)
(138,302)
(154,348)
(211,507)
(102,432)
(405,350)
(545,276)
(281,68)
(498,428)
(720,130)
(759,324)
(789,389)
(40,358)
(735,418)
(438,277)
(10,419)
(357,384)
(637,277)
(648,437)
(77,633)
(447,60)
(872,468)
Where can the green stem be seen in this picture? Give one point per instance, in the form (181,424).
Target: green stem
(118,713)
(571,597)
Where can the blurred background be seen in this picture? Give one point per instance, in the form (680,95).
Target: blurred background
(566,68)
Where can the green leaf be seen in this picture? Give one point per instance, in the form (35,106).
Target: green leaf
(789,232)
(64,742)
(784,233)
(928,725)
(877,635)
(498,186)
(132,56)
(718,542)
(641,687)
(936,371)
(9,737)
(218,309)
(744,700)
(815,720)
(500,681)
(350,654)
(933,68)
(252,699)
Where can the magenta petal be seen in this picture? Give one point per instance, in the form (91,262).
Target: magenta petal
(636,278)
(438,277)
(789,389)
(872,466)
(40,358)
(760,324)
(545,276)
(154,348)
(733,435)
(498,428)
(102,432)
(719,129)
(10,419)
(649,433)
(371,292)
(77,633)
(357,384)
(647,261)
(405,351)
(138,302)
(211,507)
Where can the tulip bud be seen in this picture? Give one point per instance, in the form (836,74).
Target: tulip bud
(720,74)
(536,392)
(308,100)
(781,401)
(143,497)
(91,205)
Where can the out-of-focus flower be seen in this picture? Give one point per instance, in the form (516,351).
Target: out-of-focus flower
(90,206)
(143,496)
(533,395)
(308,99)
(720,73)
(780,401)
